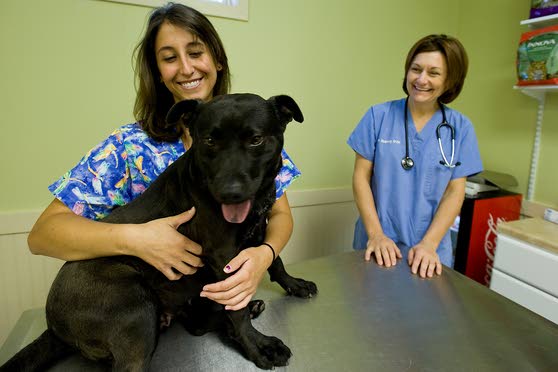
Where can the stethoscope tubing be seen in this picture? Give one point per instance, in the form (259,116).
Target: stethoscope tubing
(446,163)
(407,162)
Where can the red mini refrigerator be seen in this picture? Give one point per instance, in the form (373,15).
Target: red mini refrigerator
(476,237)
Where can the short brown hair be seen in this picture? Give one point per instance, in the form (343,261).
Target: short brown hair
(457,62)
(153,100)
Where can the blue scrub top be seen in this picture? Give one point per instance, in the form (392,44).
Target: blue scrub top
(406,200)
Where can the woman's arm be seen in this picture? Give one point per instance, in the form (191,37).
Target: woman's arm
(62,234)
(423,257)
(385,250)
(279,226)
(236,291)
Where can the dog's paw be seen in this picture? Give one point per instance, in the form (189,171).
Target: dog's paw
(270,352)
(302,288)
(256,307)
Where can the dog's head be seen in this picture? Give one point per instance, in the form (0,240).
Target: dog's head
(237,142)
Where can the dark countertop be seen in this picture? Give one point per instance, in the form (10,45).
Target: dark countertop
(364,318)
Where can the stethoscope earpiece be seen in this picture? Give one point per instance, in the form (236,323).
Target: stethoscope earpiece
(407,163)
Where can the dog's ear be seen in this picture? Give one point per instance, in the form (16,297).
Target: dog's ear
(286,109)
(181,110)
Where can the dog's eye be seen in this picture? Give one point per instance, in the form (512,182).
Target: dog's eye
(208,141)
(256,140)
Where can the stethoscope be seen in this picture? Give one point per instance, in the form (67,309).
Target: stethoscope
(407,162)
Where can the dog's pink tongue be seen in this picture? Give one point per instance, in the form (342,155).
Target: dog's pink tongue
(236,213)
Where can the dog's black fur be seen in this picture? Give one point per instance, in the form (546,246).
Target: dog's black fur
(111,308)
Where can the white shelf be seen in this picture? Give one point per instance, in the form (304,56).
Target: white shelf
(536,91)
(541,21)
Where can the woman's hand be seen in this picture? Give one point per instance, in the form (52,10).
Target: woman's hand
(384,249)
(424,260)
(236,291)
(159,244)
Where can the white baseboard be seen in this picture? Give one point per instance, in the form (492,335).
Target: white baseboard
(18,222)
(306,198)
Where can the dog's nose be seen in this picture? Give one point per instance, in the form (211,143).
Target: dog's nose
(233,192)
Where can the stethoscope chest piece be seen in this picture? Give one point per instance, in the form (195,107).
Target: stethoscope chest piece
(407,163)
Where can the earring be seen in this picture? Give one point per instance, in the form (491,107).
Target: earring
(219,67)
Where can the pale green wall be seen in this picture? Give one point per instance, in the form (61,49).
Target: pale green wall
(67,80)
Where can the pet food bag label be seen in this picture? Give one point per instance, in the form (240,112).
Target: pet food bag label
(541,8)
(537,57)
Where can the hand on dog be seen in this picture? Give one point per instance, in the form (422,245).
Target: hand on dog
(237,290)
(159,244)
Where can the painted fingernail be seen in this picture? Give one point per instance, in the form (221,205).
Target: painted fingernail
(227,268)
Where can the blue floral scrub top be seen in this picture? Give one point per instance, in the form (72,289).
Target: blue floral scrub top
(120,168)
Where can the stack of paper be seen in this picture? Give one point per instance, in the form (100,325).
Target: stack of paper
(473,188)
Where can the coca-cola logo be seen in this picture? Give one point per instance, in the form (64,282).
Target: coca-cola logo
(490,245)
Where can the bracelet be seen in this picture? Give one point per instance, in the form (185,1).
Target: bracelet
(272,250)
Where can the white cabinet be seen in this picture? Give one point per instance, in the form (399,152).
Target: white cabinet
(526,265)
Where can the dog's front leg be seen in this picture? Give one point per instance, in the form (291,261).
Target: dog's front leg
(294,286)
(265,351)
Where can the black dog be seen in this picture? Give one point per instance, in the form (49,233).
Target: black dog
(111,308)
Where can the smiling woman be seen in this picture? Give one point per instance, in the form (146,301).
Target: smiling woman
(234,9)
(192,64)
(415,225)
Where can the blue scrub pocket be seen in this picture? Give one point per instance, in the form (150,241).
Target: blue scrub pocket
(437,176)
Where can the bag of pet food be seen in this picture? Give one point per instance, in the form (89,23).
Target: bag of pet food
(541,8)
(537,57)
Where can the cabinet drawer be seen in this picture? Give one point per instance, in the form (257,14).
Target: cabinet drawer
(528,263)
(533,299)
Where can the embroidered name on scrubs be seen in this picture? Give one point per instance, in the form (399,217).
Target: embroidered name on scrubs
(395,141)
